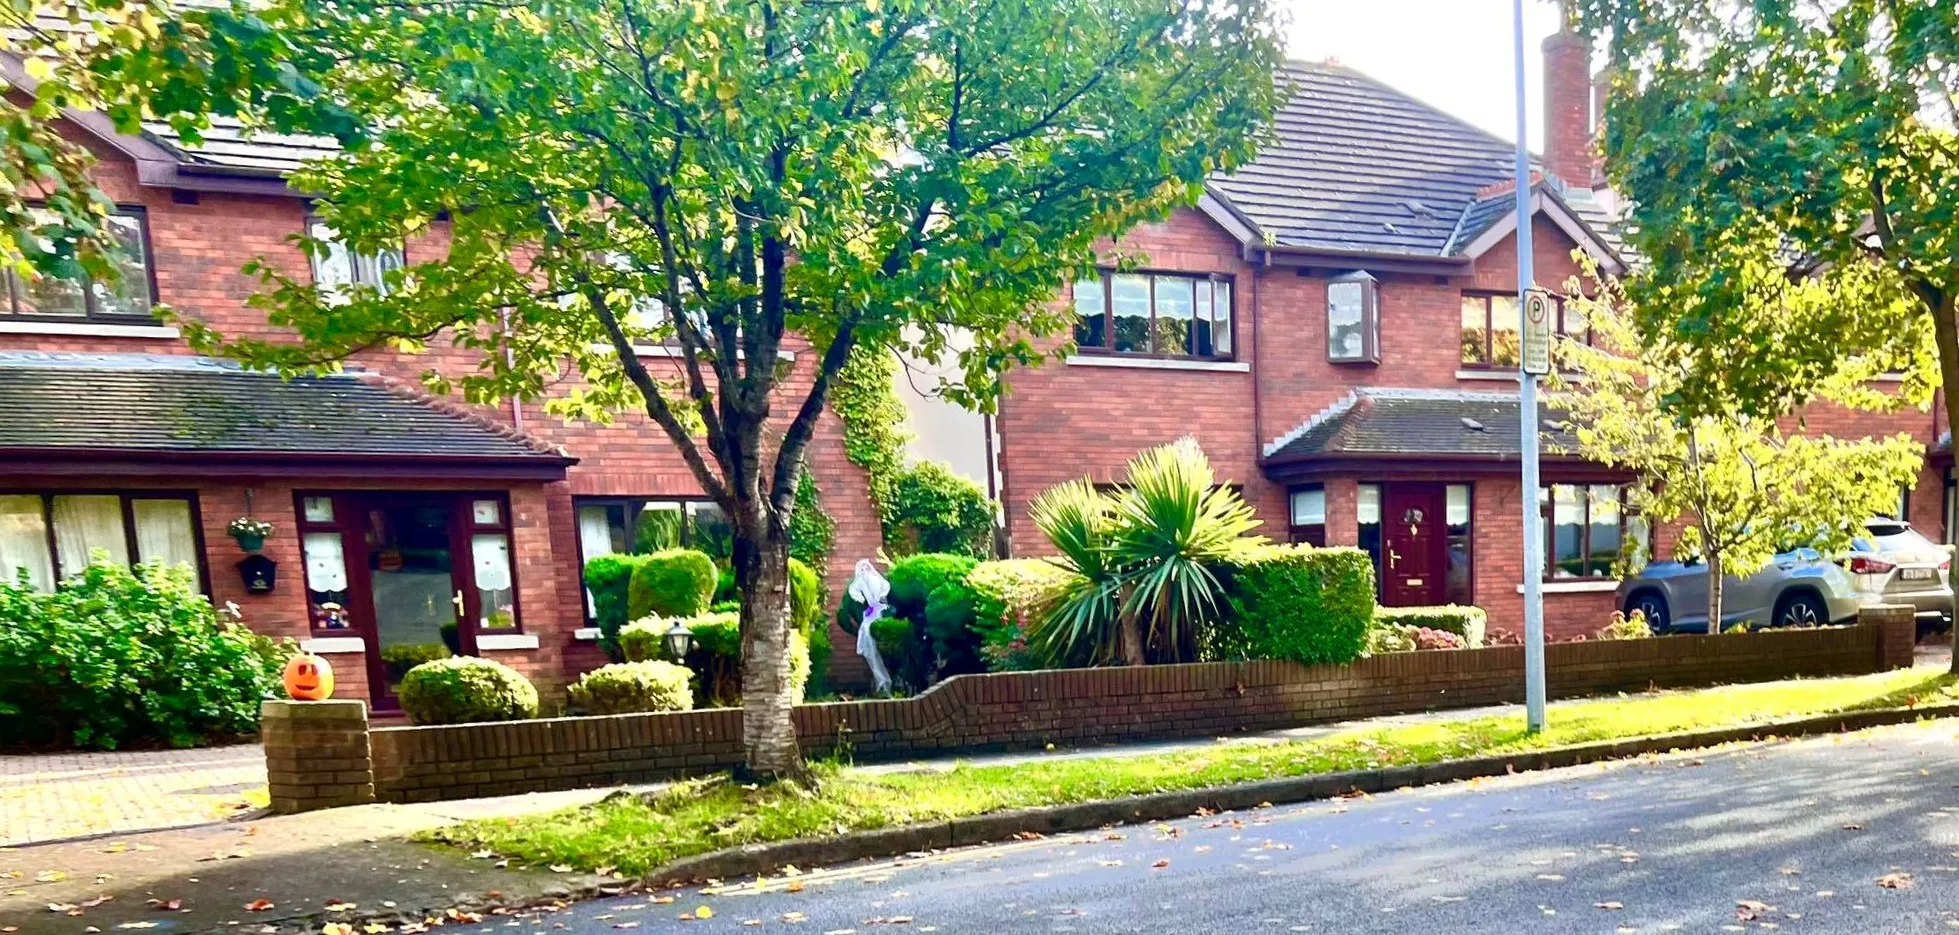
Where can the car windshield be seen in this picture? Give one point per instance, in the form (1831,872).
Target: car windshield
(1891,536)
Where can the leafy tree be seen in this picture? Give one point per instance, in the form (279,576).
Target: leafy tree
(724,175)
(1745,489)
(122,62)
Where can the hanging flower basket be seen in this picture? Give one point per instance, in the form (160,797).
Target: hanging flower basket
(250,533)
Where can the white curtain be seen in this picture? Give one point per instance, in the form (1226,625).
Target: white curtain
(326,563)
(492,554)
(594,532)
(24,541)
(164,533)
(84,523)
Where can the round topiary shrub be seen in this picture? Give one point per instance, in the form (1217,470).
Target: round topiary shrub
(671,583)
(634,687)
(465,689)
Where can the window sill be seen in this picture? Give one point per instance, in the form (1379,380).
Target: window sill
(1159,363)
(331,645)
(586,634)
(88,329)
(1506,376)
(495,642)
(1577,587)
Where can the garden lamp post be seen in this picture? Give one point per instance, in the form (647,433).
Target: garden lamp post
(679,641)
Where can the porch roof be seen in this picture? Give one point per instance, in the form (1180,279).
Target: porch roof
(1418,424)
(182,410)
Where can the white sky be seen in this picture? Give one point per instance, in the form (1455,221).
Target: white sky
(1453,54)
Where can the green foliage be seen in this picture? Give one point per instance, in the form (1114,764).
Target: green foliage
(933,509)
(921,584)
(811,531)
(1744,489)
(1146,559)
(658,531)
(1408,638)
(906,650)
(715,658)
(725,588)
(634,687)
(1466,622)
(1008,598)
(1626,627)
(466,690)
(119,656)
(609,579)
(805,596)
(1792,190)
(864,394)
(915,577)
(673,583)
(1298,603)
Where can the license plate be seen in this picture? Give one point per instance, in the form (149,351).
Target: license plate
(1916,574)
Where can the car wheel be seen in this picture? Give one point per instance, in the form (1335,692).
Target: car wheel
(1653,606)
(1801,610)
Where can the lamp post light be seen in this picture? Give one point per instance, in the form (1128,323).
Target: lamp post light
(679,640)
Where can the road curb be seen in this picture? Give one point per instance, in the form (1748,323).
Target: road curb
(757,859)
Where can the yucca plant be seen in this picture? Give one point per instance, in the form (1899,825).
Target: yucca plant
(1145,556)
(1082,628)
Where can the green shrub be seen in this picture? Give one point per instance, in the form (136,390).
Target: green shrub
(465,690)
(811,531)
(923,586)
(913,579)
(634,687)
(117,656)
(1466,622)
(1009,597)
(907,653)
(1626,627)
(724,607)
(671,583)
(715,657)
(1298,603)
(1390,638)
(805,595)
(933,509)
(609,579)
(850,614)
(725,590)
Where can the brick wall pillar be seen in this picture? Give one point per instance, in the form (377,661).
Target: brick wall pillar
(316,754)
(1897,634)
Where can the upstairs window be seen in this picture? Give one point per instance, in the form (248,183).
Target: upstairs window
(1490,329)
(341,267)
(83,297)
(1156,314)
(1353,319)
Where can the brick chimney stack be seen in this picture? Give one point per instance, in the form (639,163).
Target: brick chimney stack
(1569,150)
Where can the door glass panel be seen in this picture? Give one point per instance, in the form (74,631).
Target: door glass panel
(326,580)
(318,509)
(486,512)
(496,594)
(85,524)
(412,585)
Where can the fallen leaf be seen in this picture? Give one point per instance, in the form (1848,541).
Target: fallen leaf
(1609,904)
(560,868)
(258,905)
(337,928)
(1159,865)
(1895,881)
(166,905)
(334,905)
(1853,827)
(703,912)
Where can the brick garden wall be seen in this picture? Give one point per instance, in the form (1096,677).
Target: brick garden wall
(1028,710)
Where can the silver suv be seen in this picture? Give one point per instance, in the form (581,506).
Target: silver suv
(1890,563)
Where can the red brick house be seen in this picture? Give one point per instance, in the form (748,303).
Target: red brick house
(1330,322)
(1336,324)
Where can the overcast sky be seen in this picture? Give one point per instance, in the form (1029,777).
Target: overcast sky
(1454,54)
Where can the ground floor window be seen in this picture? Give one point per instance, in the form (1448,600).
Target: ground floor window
(1308,523)
(51,536)
(1586,526)
(1459,545)
(639,525)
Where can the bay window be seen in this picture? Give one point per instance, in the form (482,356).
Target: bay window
(82,296)
(1157,314)
(1353,319)
(1308,522)
(52,536)
(1586,527)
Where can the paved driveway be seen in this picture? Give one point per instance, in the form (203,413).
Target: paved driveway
(48,797)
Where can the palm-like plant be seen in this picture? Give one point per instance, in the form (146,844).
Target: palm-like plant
(1145,556)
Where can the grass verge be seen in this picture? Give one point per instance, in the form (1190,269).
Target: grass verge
(637,834)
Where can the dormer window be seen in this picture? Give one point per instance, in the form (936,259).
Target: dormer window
(1353,319)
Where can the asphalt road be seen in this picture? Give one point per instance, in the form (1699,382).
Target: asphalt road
(1793,836)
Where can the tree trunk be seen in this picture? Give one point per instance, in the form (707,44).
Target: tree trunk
(1131,637)
(1715,581)
(761,561)
(1946,331)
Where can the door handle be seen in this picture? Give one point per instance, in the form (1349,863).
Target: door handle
(457,600)
(1394,558)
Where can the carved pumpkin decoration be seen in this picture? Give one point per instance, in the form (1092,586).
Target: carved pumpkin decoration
(309,678)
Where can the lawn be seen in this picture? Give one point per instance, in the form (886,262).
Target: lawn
(635,834)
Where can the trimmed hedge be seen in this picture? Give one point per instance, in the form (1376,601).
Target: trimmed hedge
(672,583)
(1297,603)
(608,577)
(464,690)
(1008,597)
(634,687)
(1466,622)
(934,510)
(716,655)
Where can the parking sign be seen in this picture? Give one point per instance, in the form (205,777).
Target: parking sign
(1538,310)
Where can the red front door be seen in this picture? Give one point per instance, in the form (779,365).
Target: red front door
(1412,559)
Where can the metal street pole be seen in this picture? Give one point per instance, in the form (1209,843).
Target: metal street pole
(1527,423)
